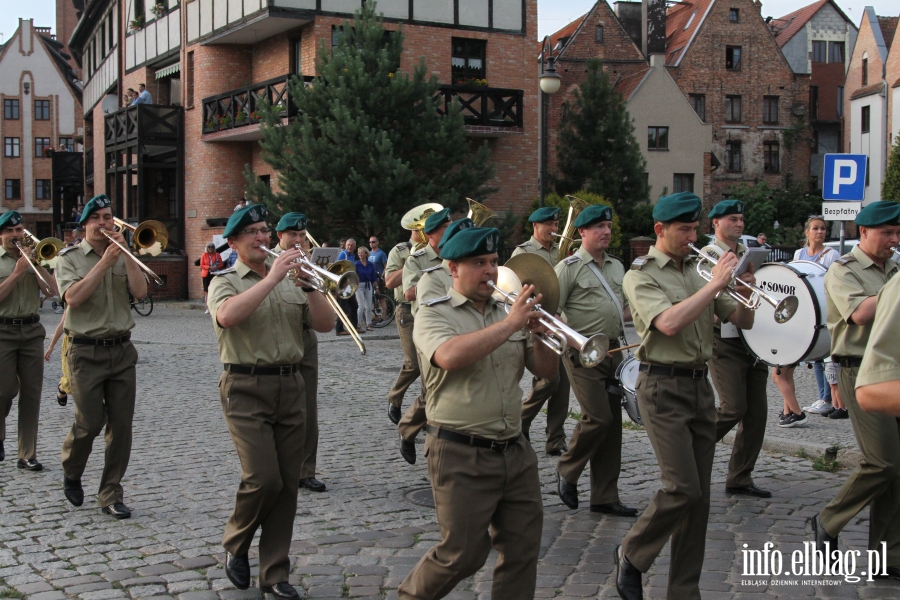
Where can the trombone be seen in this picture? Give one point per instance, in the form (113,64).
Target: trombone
(147,238)
(784,309)
(127,252)
(42,250)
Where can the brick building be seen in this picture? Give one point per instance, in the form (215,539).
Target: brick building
(41,98)
(818,40)
(207,62)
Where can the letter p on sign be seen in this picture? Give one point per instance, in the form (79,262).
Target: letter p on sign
(845,177)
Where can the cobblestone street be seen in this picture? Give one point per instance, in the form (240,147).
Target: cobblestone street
(361,537)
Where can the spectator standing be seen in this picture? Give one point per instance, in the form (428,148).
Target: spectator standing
(349,305)
(762,240)
(241,204)
(143,96)
(75,216)
(379,259)
(232,258)
(368,275)
(210,261)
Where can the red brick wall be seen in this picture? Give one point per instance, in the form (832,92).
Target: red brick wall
(171,270)
(892,76)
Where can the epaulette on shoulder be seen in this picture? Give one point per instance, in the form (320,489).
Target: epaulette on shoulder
(572,259)
(225,271)
(640,261)
(403,246)
(65,250)
(845,259)
(523,245)
(434,301)
(419,252)
(430,269)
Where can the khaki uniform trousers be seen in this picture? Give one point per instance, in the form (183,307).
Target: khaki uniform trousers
(876,481)
(265,416)
(679,417)
(409,372)
(103,383)
(597,438)
(22,375)
(476,489)
(555,392)
(309,370)
(742,402)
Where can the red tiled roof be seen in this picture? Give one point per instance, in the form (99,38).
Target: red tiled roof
(866,91)
(626,86)
(566,32)
(682,22)
(784,28)
(888,27)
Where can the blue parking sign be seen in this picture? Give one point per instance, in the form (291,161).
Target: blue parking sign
(844,177)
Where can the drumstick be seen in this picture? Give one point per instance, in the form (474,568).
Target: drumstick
(624,348)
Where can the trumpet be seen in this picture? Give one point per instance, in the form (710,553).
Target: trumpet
(126,251)
(414,220)
(343,280)
(148,238)
(784,309)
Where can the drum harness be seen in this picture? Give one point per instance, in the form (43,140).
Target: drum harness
(616,389)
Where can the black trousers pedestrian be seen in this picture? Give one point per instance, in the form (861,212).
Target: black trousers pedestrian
(349,307)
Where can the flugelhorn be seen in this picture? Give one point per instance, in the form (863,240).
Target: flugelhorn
(567,237)
(414,220)
(148,238)
(479,213)
(784,309)
(127,252)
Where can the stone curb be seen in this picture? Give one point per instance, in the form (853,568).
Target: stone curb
(849,458)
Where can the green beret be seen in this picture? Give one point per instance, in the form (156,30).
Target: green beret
(683,207)
(594,214)
(95,204)
(435,220)
(454,228)
(545,213)
(474,241)
(725,208)
(292,220)
(247,215)
(883,212)
(10,219)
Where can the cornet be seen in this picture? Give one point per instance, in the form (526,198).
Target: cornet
(784,309)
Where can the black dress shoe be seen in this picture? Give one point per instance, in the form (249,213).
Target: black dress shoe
(118,511)
(29,465)
(821,537)
(394,413)
(614,508)
(73,491)
(628,578)
(749,490)
(568,492)
(283,590)
(312,484)
(558,451)
(408,451)
(237,568)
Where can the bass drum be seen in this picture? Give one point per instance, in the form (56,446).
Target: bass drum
(804,338)
(627,374)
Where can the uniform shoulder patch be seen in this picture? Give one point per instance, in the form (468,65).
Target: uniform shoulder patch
(65,250)
(225,271)
(572,259)
(403,246)
(419,252)
(434,301)
(523,245)
(430,269)
(846,259)
(640,261)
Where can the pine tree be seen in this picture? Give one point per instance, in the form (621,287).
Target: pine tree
(890,189)
(368,143)
(597,150)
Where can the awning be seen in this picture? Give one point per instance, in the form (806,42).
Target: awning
(170,70)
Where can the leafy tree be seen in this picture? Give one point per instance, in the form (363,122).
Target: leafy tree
(890,189)
(563,204)
(368,143)
(597,150)
(790,207)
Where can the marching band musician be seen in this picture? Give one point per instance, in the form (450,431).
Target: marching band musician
(263,393)
(95,278)
(737,376)
(555,393)
(437,281)
(291,231)
(414,419)
(673,309)
(851,290)
(590,297)
(878,380)
(483,472)
(21,338)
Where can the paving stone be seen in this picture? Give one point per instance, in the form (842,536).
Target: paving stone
(120,575)
(33,588)
(157,570)
(88,587)
(207,595)
(196,562)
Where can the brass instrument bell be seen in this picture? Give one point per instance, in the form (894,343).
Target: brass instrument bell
(479,213)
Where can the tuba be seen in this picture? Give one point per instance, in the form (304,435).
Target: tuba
(567,237)
(479,213)
(414,220)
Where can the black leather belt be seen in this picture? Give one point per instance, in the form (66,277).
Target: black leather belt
(674,371)
(86,341)
(848,362)
(406,305)
(470,440)
(22,321)
(274,370)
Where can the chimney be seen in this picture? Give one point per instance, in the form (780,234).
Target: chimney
(653,27)
(629,15)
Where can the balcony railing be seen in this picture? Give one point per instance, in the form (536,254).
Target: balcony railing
(89,166)
(238,108)
(149,121)
(484,106)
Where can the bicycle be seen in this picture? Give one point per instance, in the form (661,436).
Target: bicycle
(142,307)
(380,319)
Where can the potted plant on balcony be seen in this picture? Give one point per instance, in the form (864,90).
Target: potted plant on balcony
(224,121)
(212,125)
(255,117)
(470,82)
(159,9)
(240,118)
(48,152)
(137,24)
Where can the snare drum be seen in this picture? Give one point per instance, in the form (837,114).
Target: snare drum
(627,374)
(802,339)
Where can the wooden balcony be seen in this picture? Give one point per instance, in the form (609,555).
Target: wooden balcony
(142,122)
(486,110)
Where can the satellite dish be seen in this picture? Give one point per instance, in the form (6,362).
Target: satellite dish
(110,104)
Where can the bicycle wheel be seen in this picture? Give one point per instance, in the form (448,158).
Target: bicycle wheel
(144,307)
(388,317)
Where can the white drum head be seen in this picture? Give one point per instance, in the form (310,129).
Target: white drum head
(627,373)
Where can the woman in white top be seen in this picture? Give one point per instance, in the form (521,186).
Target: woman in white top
(816,251)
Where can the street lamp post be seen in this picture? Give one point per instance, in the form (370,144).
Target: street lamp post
(549,82)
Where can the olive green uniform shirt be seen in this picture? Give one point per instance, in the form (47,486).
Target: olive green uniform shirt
(396,259)
(584,301)
(307,320)
(653,285)
(273,333)
(849,281)
(484,398)
(718,249)
(412,270)
(533,246)
(107,312)
(434,283)
(881,361)
(24,300)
